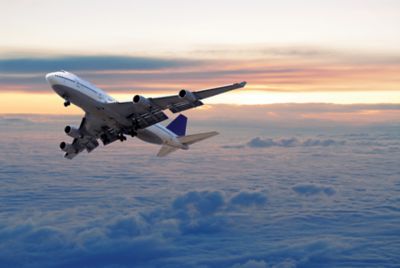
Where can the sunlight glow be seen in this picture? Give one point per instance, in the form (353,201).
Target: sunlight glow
(261,97)
(28,103)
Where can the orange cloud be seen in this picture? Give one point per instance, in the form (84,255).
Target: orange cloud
(273,76)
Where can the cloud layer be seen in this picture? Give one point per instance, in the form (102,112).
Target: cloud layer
(258,142)
(89,63)
(282,206)
(313,189)
(271,70)
(134,239)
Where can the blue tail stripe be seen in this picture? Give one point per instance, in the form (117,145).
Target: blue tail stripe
(178,126)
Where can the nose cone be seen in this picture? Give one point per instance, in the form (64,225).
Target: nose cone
(50,77)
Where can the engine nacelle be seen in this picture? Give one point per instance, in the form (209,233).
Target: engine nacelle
(73,132)
(187,95)
(142,101)
(66,147)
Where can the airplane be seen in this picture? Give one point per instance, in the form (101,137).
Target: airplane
(109,120)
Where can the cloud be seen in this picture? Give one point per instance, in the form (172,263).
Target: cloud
(202,202)
(276,70)
(196,212)
(135,239)
(94,244)
(251,264)
(126,253)
(249,199)
(324,143)
(233,146)
(123,74)
(92,63)
(213,208)
(298,116)
(12,120)
(305,53)
(313,190)
(288,263)
(124,227)
(202,212)
(203,225)
(258,142)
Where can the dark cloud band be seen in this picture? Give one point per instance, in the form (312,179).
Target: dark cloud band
(84,63)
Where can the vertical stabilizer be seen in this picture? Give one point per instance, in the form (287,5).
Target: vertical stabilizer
(178,126)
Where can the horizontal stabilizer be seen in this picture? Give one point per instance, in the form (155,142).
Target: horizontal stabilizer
(186,140)
(166,150)
(190,139)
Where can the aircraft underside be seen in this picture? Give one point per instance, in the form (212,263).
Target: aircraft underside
(108,120)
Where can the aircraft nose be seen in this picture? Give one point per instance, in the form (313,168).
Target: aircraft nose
(50,77)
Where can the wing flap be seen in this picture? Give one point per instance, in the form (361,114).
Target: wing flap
(183,106)
(141,117)
(148,119)
(91,145)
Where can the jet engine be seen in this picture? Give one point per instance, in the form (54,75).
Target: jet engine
(66,147)
(187,95)
(73,132)
(142,101)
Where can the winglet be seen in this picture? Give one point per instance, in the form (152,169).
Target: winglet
(242,84)
(178,126)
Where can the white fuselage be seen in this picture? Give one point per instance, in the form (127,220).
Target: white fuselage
(94,102)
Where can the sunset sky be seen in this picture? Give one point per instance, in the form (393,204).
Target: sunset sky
(340,52)
(305,169)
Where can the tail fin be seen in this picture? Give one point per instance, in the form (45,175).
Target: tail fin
(178,126)
(190,139)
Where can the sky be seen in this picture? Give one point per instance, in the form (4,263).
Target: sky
(304,172)
(340,52)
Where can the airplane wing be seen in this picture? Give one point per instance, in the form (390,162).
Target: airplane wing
(177,103)
(91,131)
(151,112)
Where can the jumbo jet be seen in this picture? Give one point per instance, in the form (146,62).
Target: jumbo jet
(109,120)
